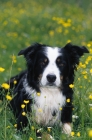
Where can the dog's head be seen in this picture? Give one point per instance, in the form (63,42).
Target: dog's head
(50,66)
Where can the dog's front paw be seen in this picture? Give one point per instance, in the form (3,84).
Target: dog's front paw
(67,128)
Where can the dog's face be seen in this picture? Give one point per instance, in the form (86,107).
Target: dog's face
(49,66)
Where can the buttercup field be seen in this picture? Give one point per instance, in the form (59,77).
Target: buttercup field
(54,23)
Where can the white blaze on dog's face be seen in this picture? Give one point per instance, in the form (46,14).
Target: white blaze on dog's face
(51,73)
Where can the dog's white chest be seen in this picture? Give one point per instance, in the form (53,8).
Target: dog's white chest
(47,106)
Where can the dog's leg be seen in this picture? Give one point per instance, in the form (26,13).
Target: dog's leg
(67,128)
(66,118)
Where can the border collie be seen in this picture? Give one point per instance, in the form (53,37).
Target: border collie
(44,86)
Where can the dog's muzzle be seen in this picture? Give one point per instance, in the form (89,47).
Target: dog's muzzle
(51,78)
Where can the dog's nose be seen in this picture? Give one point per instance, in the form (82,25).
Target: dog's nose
(51,78)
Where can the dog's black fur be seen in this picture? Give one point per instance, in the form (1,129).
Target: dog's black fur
(71,55)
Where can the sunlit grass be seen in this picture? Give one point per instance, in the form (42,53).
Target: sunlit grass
(53,23)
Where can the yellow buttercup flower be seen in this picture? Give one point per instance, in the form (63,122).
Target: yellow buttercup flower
(19,69)
(38,93)
(15,125)
(22,106)
(8,97)
(26,101)
(90,97)
(68,41)
(51,33)
(32,127)
(15,82)
(81,65)
(5,86)
(71,85)
(90,108)
(60,108)
(24,113)
(90,133)
(91,71)
(68,100)
(49,129)
(8,126)
(39,110)
(89,45)
(30,138)
(80,86)
(90,50)
(72,133)
(14,61)
(85,77)
(84,72)
(78,134)
(78,79)
(1,69)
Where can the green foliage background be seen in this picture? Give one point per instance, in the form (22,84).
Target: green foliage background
(51,22)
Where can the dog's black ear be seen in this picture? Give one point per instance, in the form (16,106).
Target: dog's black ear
(75,52)
(26,51)
(73,49)
(29,53)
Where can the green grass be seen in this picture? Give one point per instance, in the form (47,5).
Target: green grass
(51,22)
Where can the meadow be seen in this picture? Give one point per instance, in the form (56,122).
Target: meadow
(55,23)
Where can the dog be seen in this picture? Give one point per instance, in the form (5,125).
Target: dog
(44,87)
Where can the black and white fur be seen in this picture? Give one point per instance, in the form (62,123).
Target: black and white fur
(50,71)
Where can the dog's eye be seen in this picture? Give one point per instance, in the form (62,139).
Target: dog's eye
(58,59)
(43,62)
(59,62)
